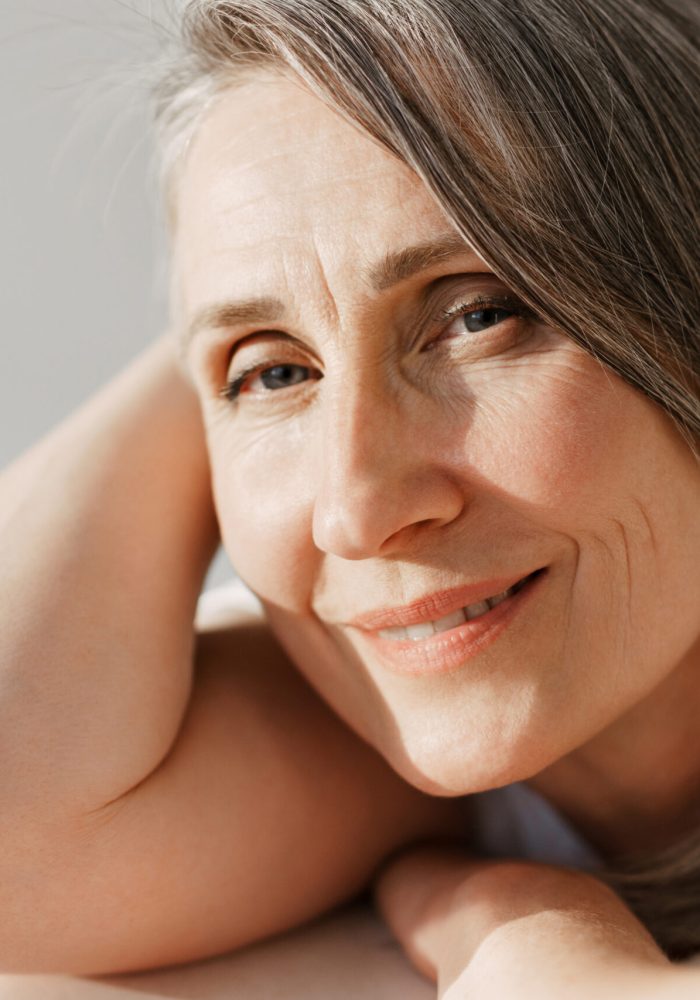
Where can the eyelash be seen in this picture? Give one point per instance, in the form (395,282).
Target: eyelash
(480,302)
(231,390)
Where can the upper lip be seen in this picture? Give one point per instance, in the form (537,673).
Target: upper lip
(434,606)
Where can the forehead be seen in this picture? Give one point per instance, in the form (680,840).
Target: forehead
(274,175)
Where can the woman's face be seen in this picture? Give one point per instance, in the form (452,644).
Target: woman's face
(403,440)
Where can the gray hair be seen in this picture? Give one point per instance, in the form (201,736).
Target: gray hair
(561,139)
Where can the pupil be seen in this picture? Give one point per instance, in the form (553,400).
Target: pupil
(480,318)
(281,376)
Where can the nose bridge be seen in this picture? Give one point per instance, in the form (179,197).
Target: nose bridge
(374,478)
(360,426)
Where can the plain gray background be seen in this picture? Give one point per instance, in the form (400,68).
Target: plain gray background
(82,248)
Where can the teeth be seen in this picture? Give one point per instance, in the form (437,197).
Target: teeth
(455,618)
(450,621)
(394,633)
(493,601)
(474,610)
(420,631)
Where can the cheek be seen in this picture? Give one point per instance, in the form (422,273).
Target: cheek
(545,437)
(263,501)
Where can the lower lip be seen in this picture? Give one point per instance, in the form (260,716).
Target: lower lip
(445,652)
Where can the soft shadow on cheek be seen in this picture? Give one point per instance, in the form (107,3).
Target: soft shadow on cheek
(337,673)
(544,434)
(263,500)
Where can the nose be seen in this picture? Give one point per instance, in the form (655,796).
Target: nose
(381,481)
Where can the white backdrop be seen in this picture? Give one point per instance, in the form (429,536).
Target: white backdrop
(81,243)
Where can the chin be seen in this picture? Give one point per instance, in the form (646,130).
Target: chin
(458,766)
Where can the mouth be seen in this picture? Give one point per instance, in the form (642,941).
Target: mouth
(470,612)
(445,643)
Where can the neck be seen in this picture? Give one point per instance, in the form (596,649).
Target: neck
(635,787)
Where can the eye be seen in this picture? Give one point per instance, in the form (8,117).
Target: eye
(261,380)
(282,376)
(482,313)
(477,320)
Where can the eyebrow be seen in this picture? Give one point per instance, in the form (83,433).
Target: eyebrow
(399,265)
(222,315)
(395,267)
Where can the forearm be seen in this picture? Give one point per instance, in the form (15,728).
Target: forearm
(107,528)
(491,929)
(550,954)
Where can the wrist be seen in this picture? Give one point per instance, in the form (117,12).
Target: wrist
(525,932)
(570,956)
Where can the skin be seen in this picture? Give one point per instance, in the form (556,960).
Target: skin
(410,455)
(522,930)
(397,469)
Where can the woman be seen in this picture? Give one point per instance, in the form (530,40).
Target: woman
(435,296)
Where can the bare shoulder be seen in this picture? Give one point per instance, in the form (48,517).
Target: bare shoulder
(267,811)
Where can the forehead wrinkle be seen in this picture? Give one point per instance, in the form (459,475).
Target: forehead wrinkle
(331,223)
(393,268)
(331,306)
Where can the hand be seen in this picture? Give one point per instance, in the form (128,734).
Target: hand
(512,928)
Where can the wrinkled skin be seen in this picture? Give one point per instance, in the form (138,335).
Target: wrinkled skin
(408,454)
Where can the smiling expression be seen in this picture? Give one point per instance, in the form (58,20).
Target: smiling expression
(395,439)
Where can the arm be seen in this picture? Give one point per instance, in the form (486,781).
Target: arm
(107,528)
(163,797)
(487,930)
